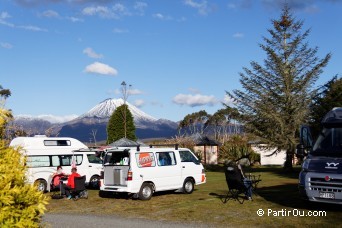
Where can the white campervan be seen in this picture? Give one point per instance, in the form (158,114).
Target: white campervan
(44,154)
(142,171)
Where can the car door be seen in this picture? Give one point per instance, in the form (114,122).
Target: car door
(191,166)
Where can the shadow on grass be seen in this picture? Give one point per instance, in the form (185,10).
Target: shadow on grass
(119,195)
(277,170)
(114,195)
(288,196)
(224,198)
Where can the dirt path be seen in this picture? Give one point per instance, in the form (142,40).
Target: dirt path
(98,221)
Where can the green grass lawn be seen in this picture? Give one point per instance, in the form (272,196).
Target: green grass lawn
(277,192)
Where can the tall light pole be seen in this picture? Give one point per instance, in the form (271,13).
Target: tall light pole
(125,93)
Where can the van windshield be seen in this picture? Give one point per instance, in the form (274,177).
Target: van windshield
(329,143)
(187,156)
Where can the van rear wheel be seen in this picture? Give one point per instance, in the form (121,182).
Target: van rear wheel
(188,186)
(146,191)
(41,185)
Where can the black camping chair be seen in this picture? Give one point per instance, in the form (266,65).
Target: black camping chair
(80,190)
(235,184)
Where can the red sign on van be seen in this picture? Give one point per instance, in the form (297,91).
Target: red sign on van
(146,159)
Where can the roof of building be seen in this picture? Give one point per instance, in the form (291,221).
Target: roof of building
(125,142)
(203,140)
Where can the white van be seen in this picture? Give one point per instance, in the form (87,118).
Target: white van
(142,171)
(44,154)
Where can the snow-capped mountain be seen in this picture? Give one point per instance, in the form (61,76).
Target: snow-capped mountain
(94,122)
(106,108)
(96,119)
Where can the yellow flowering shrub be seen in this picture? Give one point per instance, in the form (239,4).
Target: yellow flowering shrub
(21,204)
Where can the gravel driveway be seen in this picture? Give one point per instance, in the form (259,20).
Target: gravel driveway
(98,221)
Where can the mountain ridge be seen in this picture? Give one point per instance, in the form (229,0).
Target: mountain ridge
(95,121)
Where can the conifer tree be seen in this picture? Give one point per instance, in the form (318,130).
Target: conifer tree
(117,129)
(276,94)
(328,97)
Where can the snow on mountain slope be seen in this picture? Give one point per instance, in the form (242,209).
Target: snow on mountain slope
(106,108)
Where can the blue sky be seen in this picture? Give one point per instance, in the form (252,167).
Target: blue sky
(62,57)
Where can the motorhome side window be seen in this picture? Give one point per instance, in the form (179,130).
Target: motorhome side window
(166,158)
(66,160)
(38,161)
(145,159)
(306,137)
(57,143)
(187,156)
(54,160)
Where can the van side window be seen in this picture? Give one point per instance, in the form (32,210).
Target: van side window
(187,156)
(145,159)
(92,158)
(166,158)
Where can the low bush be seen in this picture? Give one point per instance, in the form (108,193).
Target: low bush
(21,204)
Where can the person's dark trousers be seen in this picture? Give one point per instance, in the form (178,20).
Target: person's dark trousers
(65,190)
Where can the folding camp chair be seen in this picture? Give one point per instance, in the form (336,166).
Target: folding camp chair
(255,179)
(80,190)
(235,184)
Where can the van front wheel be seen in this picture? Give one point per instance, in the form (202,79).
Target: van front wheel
(146,191)
(188,186)
(94,182)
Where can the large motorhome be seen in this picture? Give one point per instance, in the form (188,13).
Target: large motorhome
(44,154)
(143,171)
(321,177)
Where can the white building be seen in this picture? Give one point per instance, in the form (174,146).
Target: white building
(275,159)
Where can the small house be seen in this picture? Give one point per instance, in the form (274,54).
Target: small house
(206,148)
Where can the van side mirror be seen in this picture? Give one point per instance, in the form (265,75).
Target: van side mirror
(300,151)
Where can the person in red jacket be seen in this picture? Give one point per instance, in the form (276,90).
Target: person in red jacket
(71,183)
(56,178)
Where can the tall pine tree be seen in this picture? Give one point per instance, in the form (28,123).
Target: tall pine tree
(116,125)
(276,95)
